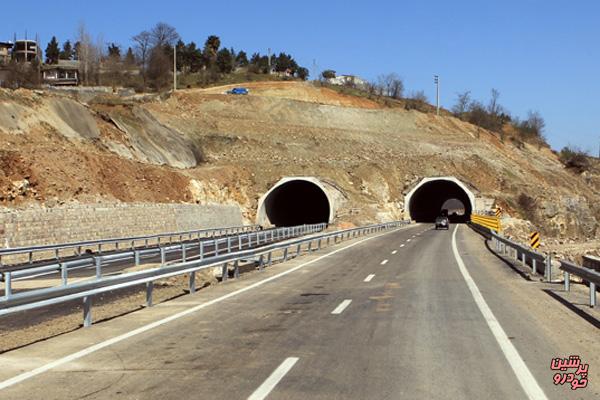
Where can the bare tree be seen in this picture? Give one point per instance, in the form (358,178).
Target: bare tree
(390,85)
(462,103)
(494,106)
(142,48)
(163,34)
(536,122)
(85,52)
(419,96)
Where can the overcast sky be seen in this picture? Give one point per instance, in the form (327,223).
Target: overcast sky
(540,55)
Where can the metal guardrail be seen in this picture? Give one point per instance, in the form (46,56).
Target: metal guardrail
(528,256)
(130,241)
(34,299)
(593,277)
(205,248)
(521,253)
(490,222)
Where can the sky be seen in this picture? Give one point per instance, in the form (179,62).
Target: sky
(541,55)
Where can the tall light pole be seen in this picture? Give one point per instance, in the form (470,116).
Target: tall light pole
(436,79)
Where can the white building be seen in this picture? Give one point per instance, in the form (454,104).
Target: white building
(348,80)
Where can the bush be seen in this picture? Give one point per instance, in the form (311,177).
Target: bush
(575,159)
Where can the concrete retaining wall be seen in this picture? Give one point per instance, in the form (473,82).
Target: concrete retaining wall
(76,222)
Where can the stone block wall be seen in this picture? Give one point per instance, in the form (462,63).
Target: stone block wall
(77,222)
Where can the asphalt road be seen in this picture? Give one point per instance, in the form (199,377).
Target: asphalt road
(391,317)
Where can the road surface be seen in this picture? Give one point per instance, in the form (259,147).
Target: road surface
(410,314)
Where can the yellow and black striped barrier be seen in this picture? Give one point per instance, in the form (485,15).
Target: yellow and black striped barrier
(498,212)
(487,221)
(534,240)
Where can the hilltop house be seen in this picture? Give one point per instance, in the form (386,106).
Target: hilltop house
(65,73)
(348,80)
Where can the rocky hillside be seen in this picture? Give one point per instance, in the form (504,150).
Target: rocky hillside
(205,146)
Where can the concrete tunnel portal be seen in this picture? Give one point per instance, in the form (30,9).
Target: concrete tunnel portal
(296,201)
(434,196)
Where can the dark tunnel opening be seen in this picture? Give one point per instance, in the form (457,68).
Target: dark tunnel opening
(297,203)
(435,197)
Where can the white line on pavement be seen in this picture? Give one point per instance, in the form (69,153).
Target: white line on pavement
(394,252)
(340,309)
(408,240)
(99,346)
(384,262)
(369,278)
(401,245)
(526,379)
(267,387)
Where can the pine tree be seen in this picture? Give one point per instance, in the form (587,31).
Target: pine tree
(52,51)
(129,58)
(67,51)
(242,59)
(224,61)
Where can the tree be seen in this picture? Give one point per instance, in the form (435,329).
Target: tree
(52,51)
(142,46)
(302,73)
(284,63)
(129,58)
(494,107)
(114,52)
(76,49)
(88,55)
(328,74)
(67,51)
(163,34)
(211,48)
(533,126)
(242,59)
(224,61)
(419,96)
(462,103)
(159,69)
(391,85)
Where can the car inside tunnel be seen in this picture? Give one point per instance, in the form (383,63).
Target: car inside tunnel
(297,202)
(440,197)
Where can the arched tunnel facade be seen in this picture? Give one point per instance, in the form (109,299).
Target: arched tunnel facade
(431,196)
(296,201)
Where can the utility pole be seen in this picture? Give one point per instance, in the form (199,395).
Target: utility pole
(175,68)
(436,79)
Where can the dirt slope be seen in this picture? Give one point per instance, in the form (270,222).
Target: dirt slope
(203,145)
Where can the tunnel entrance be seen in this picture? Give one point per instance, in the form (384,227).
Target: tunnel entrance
(437,196)
(297,202)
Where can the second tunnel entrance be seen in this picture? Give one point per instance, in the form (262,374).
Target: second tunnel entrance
(435,196)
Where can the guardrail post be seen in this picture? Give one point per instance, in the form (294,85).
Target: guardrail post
(63,273)
(548,269)
(319,244)
(192,282)
(162,256)
(202,250)
(328,239)
(87,311)
(533,266)
(567,281)
(136,256)
(98,261)
(260,263)
(56,254)
(7,285)
(240,236)
(183,252)
(216,244)
(298,249)
(224,272)
(149,293)
(524,258)
(309,246)
(236,269)
(285,254)
(228,244)
(270,259)
(592,294)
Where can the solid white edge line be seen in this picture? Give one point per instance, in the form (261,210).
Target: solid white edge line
(369,278)
(384,262)
(99,346)
(342,306)
(524,375)
(267,387)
